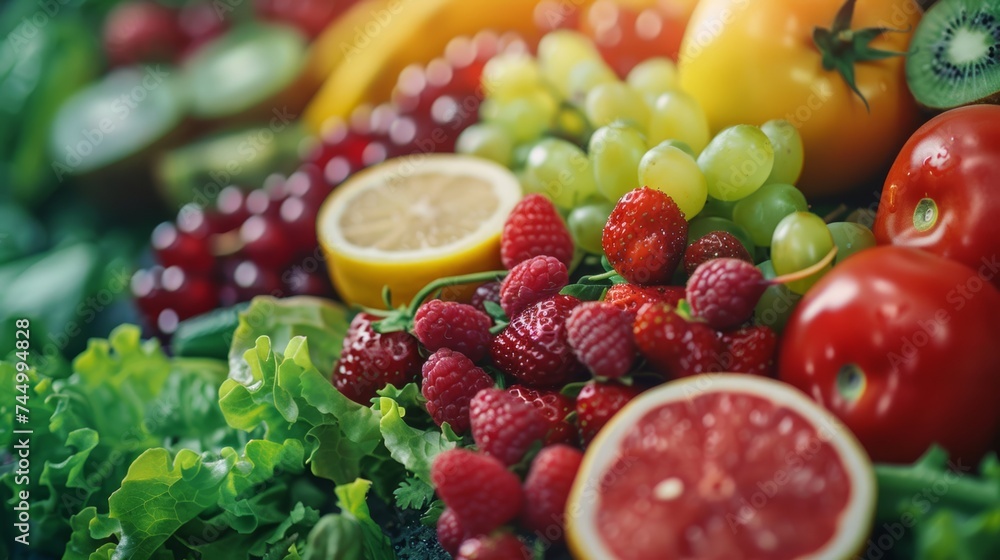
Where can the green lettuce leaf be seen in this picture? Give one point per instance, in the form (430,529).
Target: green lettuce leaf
(322,321)
(351,534)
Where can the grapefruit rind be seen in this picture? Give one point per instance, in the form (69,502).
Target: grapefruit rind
(855,520)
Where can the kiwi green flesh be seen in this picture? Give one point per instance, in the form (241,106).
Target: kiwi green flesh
(120,116)
(954,55)
(244,67)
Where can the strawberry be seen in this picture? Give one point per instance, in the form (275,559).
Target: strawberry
(535,228)
(504,426)
(450,380)
(673,345)
(601,337)
(546,490)
(479,489)
(370,360)
(631,297)
(645,237)
(532,280)
(597,403)
(498,546)
(554,406)
(750,350)
(533,347)
(450,532)
(714,245)
(724,292)
(458,326)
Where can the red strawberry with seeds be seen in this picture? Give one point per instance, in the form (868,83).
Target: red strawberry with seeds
(498,546)
(714,245)
(534,228)
(450,532)
(450,380)
(458,326)
(749,350)
(555,407)
(673,345)
(370,360)
(533,347)
(478,488)
(532,280)
(503,425)
(601,337)
(724,292)
(597,403)
(631,297)
(546,490)
(645,236)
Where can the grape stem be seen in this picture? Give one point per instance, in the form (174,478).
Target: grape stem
(805,272)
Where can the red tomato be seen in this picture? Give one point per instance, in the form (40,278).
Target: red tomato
(900,344)
(943,191)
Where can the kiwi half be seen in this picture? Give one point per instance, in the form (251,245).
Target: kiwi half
(954,55)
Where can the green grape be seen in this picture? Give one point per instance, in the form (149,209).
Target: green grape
(614,152)
(607,103)
(559,51)
(486,141)
(850,238)
(863,216)
(586,225)
(680,145)
(760,212)
(561,171)
(570,123)
(519,156)
(736,162)
(776,304)
(677,116)
(510,75)
(698,227)
(800,241)
(585,76)
(789,154)
(653,76)
(717,208)
(524,118)
(670,170)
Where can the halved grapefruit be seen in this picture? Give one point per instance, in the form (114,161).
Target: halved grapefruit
(722,466)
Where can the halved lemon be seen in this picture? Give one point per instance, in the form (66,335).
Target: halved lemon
(722,466)
(411,220)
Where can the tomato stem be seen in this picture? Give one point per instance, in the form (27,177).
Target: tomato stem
(842,47)
(898,485)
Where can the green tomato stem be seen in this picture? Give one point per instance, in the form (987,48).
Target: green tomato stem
(929,480)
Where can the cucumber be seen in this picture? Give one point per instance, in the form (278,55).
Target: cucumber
(208,335)
(245,72)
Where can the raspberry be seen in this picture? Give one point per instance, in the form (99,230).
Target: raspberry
(725,291)
(714,245)
(535,228)
(601,337)
(554,406)
(503,425)
(450,380)
(597,403)
(450,532)
(458,326)
(645,236)
(673,345)
(750,350)
(479,489)
(546,490)
(370,360)
(631,297)
(533,347)
(532,280)
(498,546)
(489,291)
